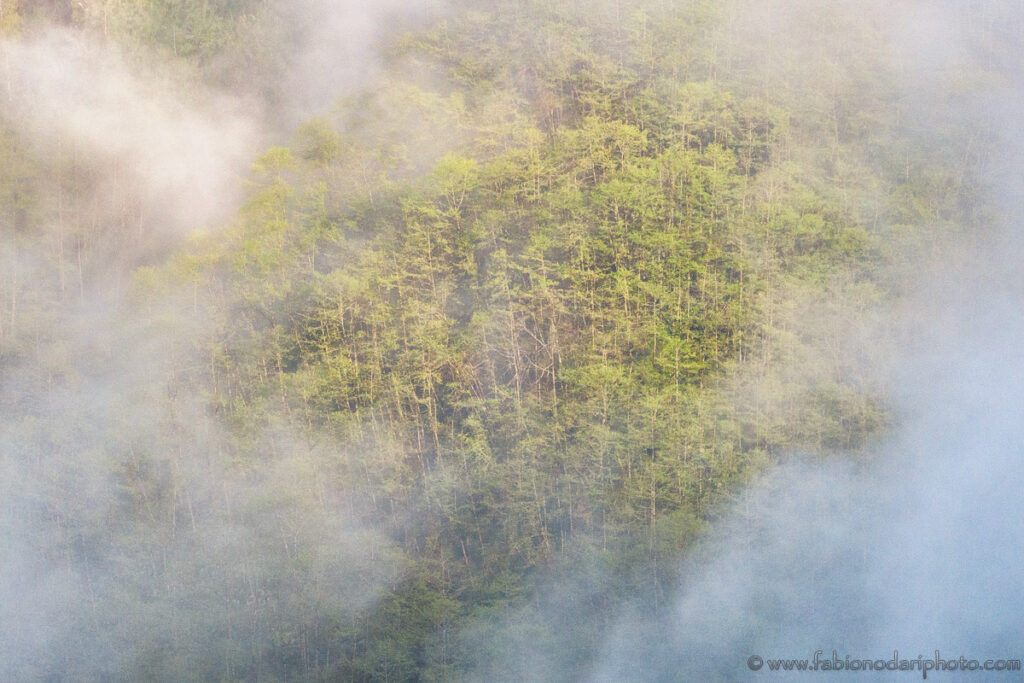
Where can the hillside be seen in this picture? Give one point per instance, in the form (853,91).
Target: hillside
(528,301)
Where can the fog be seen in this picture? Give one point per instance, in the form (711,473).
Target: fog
(914,547)
(98,394)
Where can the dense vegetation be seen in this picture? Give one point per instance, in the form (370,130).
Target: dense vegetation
(544,296)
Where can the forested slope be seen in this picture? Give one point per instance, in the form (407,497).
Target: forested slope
(542,295)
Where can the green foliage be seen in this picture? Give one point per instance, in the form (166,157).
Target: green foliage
(511,305)
(525,339)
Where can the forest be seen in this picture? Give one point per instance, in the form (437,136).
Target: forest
(329,368)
